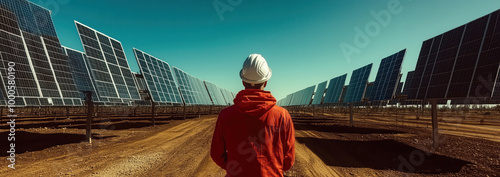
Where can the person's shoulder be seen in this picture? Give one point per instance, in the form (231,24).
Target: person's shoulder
(280,110)
(227,111)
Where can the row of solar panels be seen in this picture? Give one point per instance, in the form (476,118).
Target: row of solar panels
(461,65)
(359,89)
(49,74)
(164,84)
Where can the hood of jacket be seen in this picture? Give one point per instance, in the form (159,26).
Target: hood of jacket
(254,102)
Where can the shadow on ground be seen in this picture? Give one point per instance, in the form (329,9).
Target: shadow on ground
(381,155)
(343,129)
(27,141)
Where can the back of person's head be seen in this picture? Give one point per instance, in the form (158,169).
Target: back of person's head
(255,72)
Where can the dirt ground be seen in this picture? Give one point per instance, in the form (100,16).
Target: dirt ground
(325,146)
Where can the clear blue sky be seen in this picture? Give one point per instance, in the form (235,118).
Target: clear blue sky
(300,39)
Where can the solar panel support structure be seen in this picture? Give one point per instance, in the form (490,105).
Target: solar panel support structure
(351,119)
(90,112)
(434,123)
(153,108)
(184,104)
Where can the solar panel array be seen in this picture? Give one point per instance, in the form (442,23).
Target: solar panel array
(357,86)
(108,66)
(81,74)
(299,98)
(28,38)
(334,90)
(159,78)
(219,96)
(387,79)
(318,95)
(461,63)
(191,88)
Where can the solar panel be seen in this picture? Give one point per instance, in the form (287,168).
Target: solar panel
(408,82)
(320,91)
(80,72)
(108,66)
(388,77)
(295,98)
(158,78)
(28,39)
(334,90)
(369,89)
(461,63)
(191,88)
(307,95)
(215,94)
(344,91)
(357,85)
(228,96)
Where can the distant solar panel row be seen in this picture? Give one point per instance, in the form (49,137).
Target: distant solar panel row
(219,96)
(388,77)
(461,63)
(159,78)
(357,86)
(302,97)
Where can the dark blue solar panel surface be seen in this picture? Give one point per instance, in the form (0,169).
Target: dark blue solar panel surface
(387,78)
(458,63)
(28,38)
(108,66)
(408,82)
(80,72)
(308,94)
(318,96)
(357,85)
(334,89)
(159,78)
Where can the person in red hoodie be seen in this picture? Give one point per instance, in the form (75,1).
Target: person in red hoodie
(254,137)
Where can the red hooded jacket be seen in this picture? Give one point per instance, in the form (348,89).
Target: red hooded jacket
(254,137)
